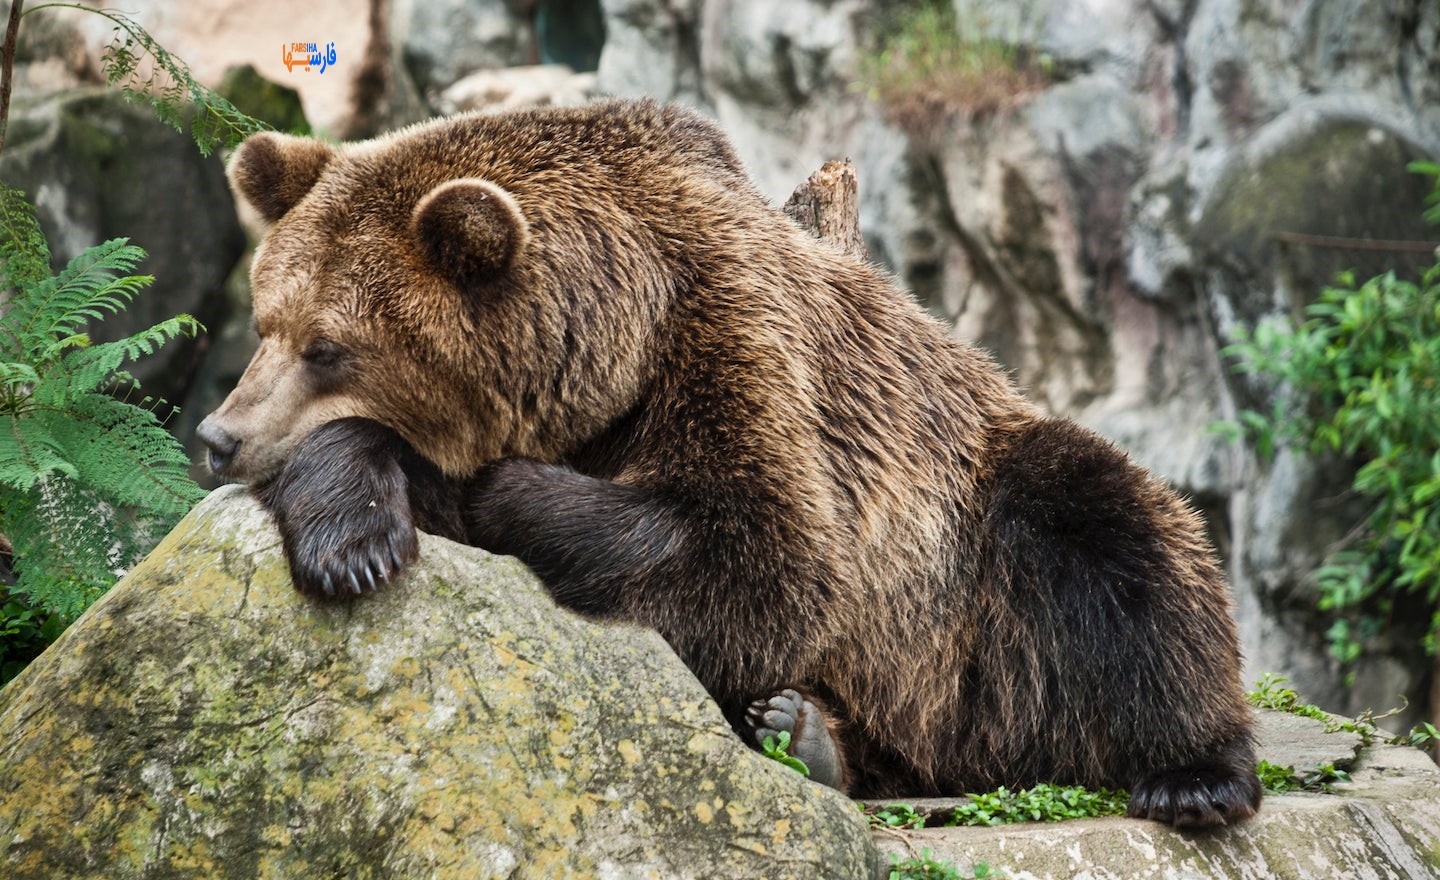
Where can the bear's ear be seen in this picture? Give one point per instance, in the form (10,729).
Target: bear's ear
(273,171)
(470,227)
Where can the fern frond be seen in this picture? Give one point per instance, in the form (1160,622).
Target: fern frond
(68,544)
(64,303)
(23,249)
(15,377)
(95,367)
(30,452)
(124,454)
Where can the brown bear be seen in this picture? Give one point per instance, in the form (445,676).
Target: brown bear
(583,338)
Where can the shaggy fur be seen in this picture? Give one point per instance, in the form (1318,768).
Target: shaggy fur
(681,410)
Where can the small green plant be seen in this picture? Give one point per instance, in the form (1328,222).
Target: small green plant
(1042,803)
(1279,780)
(777,748)
(1271,693)
(1361,377)
(926,867)
(1421,736)
(1276,779)
(930,63)
(896,816)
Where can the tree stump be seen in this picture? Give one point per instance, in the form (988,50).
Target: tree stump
(828,207)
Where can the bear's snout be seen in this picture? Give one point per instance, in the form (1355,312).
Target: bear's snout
(222,444)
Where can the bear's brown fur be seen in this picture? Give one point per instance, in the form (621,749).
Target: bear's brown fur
(582,337)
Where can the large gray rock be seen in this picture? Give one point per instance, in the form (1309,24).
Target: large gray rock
(440,41)
(205,720)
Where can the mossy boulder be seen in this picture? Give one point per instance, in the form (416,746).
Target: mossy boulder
(1315,196)
(205,720)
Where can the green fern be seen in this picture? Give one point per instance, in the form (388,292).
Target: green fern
(26,253)
(87,481)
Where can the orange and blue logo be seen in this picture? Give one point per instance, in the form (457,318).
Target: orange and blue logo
(308,55)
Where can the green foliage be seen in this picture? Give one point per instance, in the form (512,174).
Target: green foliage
(146,72)
(930,62)
(1270,693)
(1042,803)
(1045,802)
(1276,779)
(1361,377)
(1279,780)
(780,751)
(26,253)
(25,631)
(896,816)
(1421,736)
(1432,200)
(87,480)
(925,867)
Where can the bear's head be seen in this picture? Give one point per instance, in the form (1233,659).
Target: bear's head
(486,286)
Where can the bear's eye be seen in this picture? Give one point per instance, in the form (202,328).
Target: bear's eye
(323,353)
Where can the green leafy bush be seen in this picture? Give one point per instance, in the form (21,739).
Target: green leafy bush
(1361,377)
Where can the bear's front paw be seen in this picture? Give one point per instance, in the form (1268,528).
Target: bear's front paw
(344,515)
(350,551)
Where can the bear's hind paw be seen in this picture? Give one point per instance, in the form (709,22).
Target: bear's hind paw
(1202,797)
(810,738)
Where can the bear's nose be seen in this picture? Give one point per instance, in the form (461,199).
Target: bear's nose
(222,444)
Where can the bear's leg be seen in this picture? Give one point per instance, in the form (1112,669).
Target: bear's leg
(348,502)
(1219,790)
(811,739)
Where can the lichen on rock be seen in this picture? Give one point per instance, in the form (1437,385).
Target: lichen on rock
(205,720)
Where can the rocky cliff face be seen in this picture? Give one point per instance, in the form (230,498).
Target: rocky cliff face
(1105,235)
